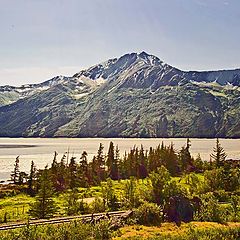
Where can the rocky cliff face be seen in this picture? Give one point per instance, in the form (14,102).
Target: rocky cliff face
(136,95)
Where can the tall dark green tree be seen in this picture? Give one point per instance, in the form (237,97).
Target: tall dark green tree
(15,173)
(171,160)
(62,174)
(72,169)
(185,159)
(100,163)
(112,163)
(44,205)
(31,179)
(83,172)
(218,155)
(142,170)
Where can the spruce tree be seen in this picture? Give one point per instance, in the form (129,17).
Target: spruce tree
(218,154)
(31,179)
(72,173)
(171,160)
(100,164)
(142,171)
(83,170)
(112,163)
(93,172)
(185,159)
(15,172)
(72,203)
(44,205)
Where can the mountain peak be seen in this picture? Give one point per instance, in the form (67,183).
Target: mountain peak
(149,58)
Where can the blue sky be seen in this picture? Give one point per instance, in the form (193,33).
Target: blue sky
(43,38)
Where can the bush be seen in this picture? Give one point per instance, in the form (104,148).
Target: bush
(67,231)
(97,205)
(210,210)
(149,214)
(222,195)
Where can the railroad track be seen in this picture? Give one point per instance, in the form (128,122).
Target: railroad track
(59,220)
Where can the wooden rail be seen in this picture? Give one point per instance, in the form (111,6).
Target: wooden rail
(87,217)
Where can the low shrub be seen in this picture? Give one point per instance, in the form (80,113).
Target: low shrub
(148,214)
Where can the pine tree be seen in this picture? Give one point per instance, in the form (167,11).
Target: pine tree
(185,159)
(15,172)
(124,167)
(72,204)
(112,163)
(142,171)
(31,179)
(93,172)
(109,196)
(100,163)
(151,160)
(218,154)
(171,160)
(55,172)
(61,176)
(72,173)
(83,170)
(44,205)
(130,193)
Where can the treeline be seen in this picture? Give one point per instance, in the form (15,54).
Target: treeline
(160,176)
(139,163)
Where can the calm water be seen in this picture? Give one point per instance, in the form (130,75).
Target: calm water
(41,150)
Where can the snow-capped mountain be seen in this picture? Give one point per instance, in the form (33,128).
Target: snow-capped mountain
(134,95)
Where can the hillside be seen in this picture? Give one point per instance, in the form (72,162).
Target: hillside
(136,95)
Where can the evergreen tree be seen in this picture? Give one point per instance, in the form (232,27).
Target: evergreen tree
(218,154)
(109,195)
(185,159)
(31,179)
(124,167)
(83,170)
(72,204)
(198,163)
(61,176)
(44,205)
(54,163)
(130,193)
(100,164)
(15,172)
(171,160)
(142,171)
(93,172)
(112,163)
(159,180)
(55,172)
(72,169)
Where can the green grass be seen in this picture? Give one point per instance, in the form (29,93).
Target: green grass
(15,207)
(187,231)
(101,231)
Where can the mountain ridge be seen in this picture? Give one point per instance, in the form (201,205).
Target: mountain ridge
(135,95)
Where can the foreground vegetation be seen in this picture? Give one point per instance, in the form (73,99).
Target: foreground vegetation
(161,185)
(103,231)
